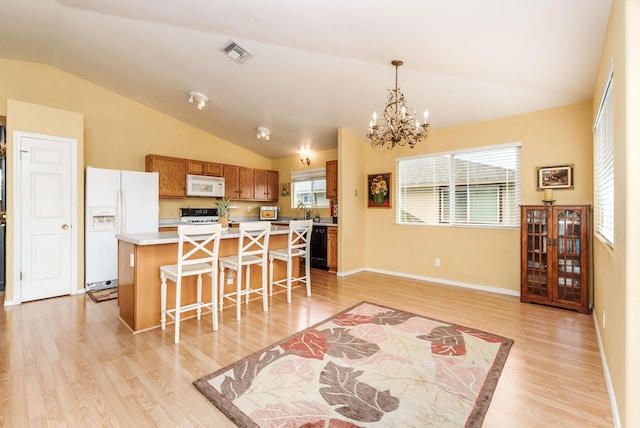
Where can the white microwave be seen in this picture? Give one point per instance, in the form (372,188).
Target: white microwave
(202,185)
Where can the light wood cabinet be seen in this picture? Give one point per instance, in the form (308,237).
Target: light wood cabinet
(265,185)
(214,169)
(555,255)
(332,248)
(197,167)
(238,182)
(172,174)
(332,179)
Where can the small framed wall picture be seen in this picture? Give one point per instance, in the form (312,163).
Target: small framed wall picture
(555,177)
(285,189)
(379,186)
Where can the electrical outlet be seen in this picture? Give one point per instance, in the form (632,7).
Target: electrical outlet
(229,280)
(131,260)
(437,262)
(248,209)
(604,319)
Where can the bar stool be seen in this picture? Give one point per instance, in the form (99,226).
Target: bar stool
(253,246)
(197,255)
(298,245)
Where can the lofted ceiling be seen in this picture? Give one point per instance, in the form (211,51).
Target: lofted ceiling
(317,66)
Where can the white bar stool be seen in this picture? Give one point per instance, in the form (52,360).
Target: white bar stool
(199,257)
(253,246)
(298,245)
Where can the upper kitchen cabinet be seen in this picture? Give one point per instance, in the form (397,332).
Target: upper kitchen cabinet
(265,185)
(172,174)
(238,182)
(332,179)
(204,168)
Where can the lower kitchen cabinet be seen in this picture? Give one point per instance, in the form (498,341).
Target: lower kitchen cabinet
(332,248)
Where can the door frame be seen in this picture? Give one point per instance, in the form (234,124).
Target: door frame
(17,209)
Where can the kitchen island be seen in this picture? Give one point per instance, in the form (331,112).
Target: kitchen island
(140,256)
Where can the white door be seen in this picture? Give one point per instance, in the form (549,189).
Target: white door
(47,214)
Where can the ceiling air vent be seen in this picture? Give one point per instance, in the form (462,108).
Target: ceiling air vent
(236,52)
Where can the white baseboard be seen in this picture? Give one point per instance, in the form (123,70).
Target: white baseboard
(438,280)
(607,376)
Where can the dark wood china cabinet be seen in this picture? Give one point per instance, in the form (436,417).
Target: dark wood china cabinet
(555,243)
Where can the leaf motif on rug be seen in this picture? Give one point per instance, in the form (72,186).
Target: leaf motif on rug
(355,399)
(445,340)
(393,317)
(244,373)
(310,344)
(344,345)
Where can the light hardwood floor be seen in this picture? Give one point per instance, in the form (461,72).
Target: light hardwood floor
(69,362)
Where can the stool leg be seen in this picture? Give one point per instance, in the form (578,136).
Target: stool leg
(307,273)
(177,314)
(163,300)
(214,300)
(238,291)
(270,275)
(289,269)
(265,302)
(247,284)
(221,285)
(199,297)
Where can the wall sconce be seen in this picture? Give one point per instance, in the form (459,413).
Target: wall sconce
(305,159)
(263,132)
(200,100)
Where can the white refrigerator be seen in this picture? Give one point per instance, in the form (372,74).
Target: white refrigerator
(116,202)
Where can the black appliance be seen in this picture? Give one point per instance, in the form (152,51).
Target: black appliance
(319,247)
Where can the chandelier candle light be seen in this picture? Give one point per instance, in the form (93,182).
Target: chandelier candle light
(397,126)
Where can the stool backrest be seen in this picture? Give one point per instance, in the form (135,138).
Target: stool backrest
(254,239)
(203,243)
(299,235)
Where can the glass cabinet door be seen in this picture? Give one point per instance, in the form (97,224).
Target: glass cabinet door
(537,257)
(569,230)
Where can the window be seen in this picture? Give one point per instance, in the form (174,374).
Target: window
(309,188)
(603,169)
(479,187)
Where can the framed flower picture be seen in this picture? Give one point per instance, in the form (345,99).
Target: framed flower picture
(379,189)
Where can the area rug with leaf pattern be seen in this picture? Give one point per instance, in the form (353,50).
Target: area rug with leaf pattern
(368,366)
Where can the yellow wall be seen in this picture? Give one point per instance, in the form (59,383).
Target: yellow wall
(48,121)
(473,256)
(617,289)
(352,197)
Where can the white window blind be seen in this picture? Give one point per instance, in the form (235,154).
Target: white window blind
(603,166)
(309,188)
(478,187)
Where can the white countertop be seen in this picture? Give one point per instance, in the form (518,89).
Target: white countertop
(158,238)
(173,222)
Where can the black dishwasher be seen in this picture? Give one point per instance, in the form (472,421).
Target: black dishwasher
(319,247)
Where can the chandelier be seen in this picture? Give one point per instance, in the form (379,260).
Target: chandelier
(397,126)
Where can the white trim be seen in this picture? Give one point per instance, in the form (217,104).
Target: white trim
(437,280)
(17,204)
(308,174)
(607,376)
(602,98)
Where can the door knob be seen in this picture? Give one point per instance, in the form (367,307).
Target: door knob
(65,226)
